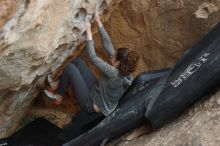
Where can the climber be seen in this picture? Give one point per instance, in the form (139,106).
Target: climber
(102,95)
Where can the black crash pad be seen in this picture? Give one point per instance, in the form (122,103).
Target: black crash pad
(128,115)
(80,124)
(195,74)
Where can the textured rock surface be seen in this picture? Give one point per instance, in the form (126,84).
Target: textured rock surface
(36,36)
(55,116)
(199,126)
(160,30)
(8,8)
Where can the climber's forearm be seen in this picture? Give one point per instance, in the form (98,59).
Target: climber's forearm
(88,31)
(89,35)
(105,37)
(99,23)
(107,43)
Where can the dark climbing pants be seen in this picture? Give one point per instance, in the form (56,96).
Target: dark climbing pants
(81,79)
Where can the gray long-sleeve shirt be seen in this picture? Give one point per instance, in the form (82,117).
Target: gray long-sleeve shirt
(107,92)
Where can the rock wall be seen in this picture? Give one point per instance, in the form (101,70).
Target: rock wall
(160,30)
(36,37)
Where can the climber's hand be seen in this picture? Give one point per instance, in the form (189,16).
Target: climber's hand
(97,18)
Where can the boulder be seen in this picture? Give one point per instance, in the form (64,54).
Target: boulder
(40,36)
(160,30)
(35,38)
